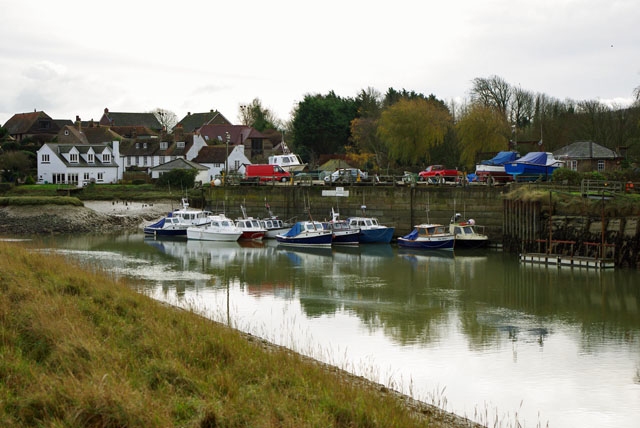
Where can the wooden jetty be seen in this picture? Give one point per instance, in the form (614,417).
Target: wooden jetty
(566,260)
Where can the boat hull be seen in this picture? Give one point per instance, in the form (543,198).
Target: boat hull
(528,172)
(497,173)
(376,236)
(202,234)
(346,238)
(471,243)
(251,235)
(314,240)
(272,233)
(427,244)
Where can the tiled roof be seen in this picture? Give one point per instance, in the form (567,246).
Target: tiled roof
(179,164)
(62,122)
(73,136)
(59,149)
(212,154)
(20,123)
(100,135)
(215,134)
(128,148)
(193,121)
(584,150)
(133,131)
(132,119)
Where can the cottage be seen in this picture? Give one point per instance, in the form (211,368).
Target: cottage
(36,124)
(587,156)
(157,171)
(143,154)
(213,157)
(79,164)
(77,134)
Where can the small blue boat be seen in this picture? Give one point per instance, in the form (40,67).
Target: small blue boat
(533,166)
(343,234)
(371,232)
(306,233)
(428,237)
(168,226)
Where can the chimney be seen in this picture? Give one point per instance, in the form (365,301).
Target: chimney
(106,110)
(78,123)
(188,113)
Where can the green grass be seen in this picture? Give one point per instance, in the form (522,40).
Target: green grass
(39,200)
(108,192)
(78,348)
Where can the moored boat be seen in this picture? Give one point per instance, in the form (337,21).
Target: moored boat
(343,234)
(306,233)
(219,228)
(371,232)
(465,234)
(533,166)
(251,229)
(177,222)
(428,237)
(272,224)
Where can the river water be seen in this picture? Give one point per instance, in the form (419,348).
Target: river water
(475,332)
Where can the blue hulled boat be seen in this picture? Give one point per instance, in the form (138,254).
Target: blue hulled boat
(428,237)
(371,232)
(168,226)
(343,234)
(533,166)
(306,233)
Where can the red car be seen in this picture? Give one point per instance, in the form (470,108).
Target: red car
(439,174)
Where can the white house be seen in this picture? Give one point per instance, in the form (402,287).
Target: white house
(79,164)
(180,163)
(213,157)
(145,153)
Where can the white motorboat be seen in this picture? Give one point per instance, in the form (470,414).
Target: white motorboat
(465,233)
(219,228)
(288,161)
(177,222)
(274,227)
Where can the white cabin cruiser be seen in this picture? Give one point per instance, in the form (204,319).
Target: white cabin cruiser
(219,228)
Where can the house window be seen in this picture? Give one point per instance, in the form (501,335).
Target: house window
(66,132)
(58,178)
(164,145)
(73,157)
(90,158)
(86,176)
(236,165)
(45,158)
(144,160)
(128,160)
(137,160)
(144,145)
(180,144)
(73,178)
(44,124)
(137,145)
(573,165)
(256,146)
(100,176)
(600,165)
(106,158)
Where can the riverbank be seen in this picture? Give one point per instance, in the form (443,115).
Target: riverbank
(80,348)
(94,216)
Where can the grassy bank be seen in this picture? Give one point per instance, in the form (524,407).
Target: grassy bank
(39,200)
(103,192)
(80,349)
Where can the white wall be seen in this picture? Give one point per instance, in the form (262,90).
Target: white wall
(237,154)
(110,174)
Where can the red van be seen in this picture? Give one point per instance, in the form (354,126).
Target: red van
(266,173)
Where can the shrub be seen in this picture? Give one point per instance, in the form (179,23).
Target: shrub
(561,175)
(178,178)
(29,180)
(139,181)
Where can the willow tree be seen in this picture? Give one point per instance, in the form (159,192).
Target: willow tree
(410,128)
(481,129)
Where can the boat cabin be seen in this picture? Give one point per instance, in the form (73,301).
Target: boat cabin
(363,222)
(272,224)
(285,160)
(248,223)
(431,229)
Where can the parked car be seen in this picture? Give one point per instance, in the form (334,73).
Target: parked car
(438,173)
(265,172)
(346,175)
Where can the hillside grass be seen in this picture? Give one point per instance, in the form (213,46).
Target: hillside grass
(39,200)
(79,348)
(104,192)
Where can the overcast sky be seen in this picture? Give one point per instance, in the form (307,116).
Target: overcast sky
(73,58)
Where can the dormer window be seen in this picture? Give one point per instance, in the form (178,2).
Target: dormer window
(164,145)
(90,158)
(180,144)
(45,158)
(73,157)
(106,157)
(137,145)
(144,145)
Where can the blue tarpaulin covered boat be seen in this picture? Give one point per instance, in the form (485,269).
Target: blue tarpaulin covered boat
(533,166)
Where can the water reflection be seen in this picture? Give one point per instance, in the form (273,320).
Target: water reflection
(475,321)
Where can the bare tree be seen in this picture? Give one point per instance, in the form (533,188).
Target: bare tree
(167,118)
(492,91)
(521,107)
(636,94)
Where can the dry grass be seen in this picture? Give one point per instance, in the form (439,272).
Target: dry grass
(78,348)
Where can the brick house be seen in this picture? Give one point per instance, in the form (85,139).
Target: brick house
(587,156)
(36,124)
(257,146)
(194,121)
